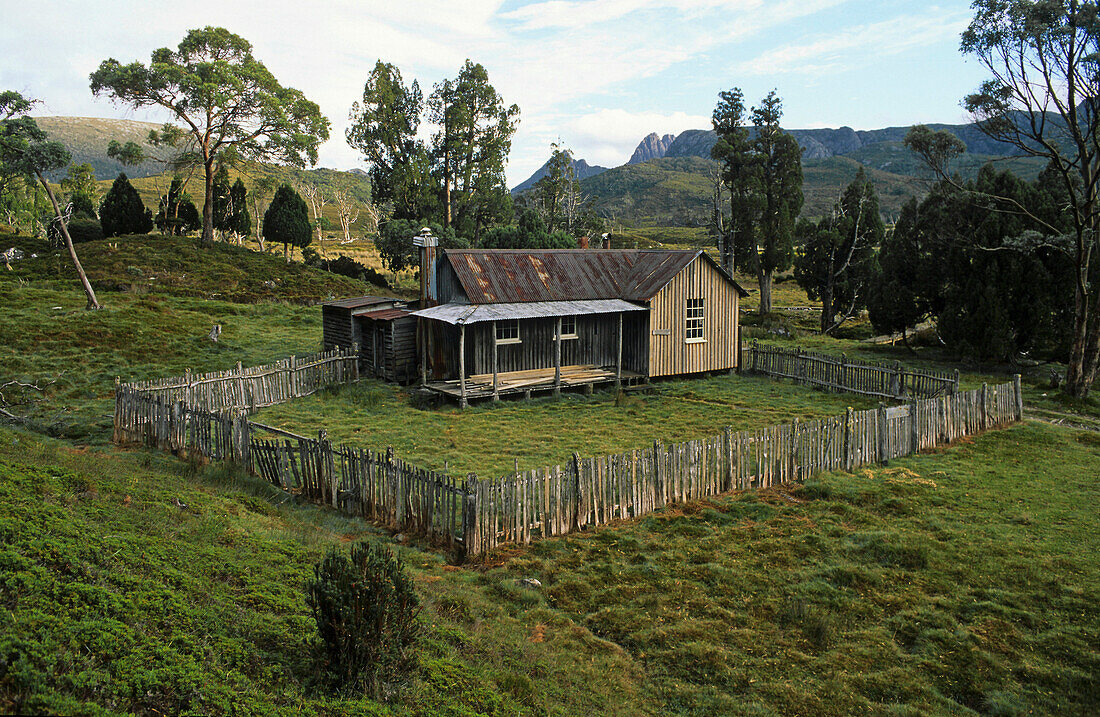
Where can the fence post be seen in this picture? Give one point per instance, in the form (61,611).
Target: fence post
(355,361)
(842,380)
(577,491)
(469,515)
(914,428)
(658,486)
(398,489)
(1018,394)
(984,422)
(880,417)
(849,457)
(754,350)
(795,468)
(955,385)
(292,374)
(899,385)
(731,469)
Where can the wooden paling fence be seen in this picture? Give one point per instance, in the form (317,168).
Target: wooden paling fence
(591,491)
(840,373)
(480,515)
(378,486)
(253,387)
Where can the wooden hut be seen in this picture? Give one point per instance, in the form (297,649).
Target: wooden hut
(384,330)
(501,321)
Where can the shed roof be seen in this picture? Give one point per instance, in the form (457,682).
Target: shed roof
(359,302)
(473,314)
(385,314)
(490,276)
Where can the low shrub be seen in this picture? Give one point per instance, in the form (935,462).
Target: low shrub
(366,612)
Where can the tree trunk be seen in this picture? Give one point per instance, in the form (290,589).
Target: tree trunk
(765,280)
(93,302)
(208,206)
(827,312)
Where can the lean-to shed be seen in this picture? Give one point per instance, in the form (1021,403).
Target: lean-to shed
(382,327)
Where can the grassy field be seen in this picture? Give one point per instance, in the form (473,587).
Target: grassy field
(959,582)
(489,438)
(955,582)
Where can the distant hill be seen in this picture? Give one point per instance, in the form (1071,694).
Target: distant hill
(87,138)
(581,169)
(677,191)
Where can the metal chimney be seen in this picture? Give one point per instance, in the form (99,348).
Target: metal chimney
(429,257)
(606,240)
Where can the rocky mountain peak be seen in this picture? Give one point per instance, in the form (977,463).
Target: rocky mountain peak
(652,147)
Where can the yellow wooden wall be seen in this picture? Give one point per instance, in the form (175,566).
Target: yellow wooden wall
(669,353)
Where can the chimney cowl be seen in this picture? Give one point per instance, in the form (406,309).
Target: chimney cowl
(425,238)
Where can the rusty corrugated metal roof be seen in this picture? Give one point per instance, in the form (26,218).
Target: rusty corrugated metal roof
(491,276)
(360,301)
(385,314)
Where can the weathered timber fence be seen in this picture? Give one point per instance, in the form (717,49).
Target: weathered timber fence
(252,387)
(375,485)
(591,491)
(480,515)
(839,373)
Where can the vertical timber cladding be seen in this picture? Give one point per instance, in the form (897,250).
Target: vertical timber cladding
(669,351)
(596,344)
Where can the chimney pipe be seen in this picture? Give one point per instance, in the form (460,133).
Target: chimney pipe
(582,242)
(606,240)
(429,257)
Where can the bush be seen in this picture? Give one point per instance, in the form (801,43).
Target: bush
(366,612)
(85,230)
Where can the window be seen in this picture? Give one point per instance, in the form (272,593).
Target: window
(694,325)
(569,327)
(508,331)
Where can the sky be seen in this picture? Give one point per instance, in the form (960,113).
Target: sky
(593,75)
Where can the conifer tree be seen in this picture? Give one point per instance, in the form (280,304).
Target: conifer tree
(122,211)
(287,220)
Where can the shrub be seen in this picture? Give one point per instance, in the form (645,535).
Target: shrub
(366,612)
(85,230)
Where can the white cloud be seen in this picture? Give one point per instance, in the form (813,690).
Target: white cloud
(851,48)
(609,136)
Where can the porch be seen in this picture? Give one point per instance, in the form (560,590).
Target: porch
(487,385)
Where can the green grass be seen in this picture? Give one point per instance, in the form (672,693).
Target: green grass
(489,438)
(117,600)
(155,326)
(949,582)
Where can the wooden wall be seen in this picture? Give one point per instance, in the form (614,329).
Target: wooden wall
(338,329)
(669,353)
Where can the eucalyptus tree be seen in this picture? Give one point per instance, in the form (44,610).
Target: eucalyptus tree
(1042,97)
(384,128)
(471,146)
(837,264)
(25,150)
(225,98)
(739,171)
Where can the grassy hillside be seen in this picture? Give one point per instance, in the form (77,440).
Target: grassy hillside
(87,138)
(160,297)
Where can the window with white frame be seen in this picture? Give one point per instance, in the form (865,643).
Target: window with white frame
(508,331)
(569,327)
(693,329)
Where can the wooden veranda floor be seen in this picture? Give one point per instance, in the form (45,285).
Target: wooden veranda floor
(527,382)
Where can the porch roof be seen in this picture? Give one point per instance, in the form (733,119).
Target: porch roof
(459,314)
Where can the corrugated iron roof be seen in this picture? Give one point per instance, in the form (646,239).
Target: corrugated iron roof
(360,301)
(467,314)
(491,276)
(385,314)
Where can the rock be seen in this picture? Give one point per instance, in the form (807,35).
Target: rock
(529,583)
(215,332)
(401,538)
(13,254)
(269,284)
(652,147)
